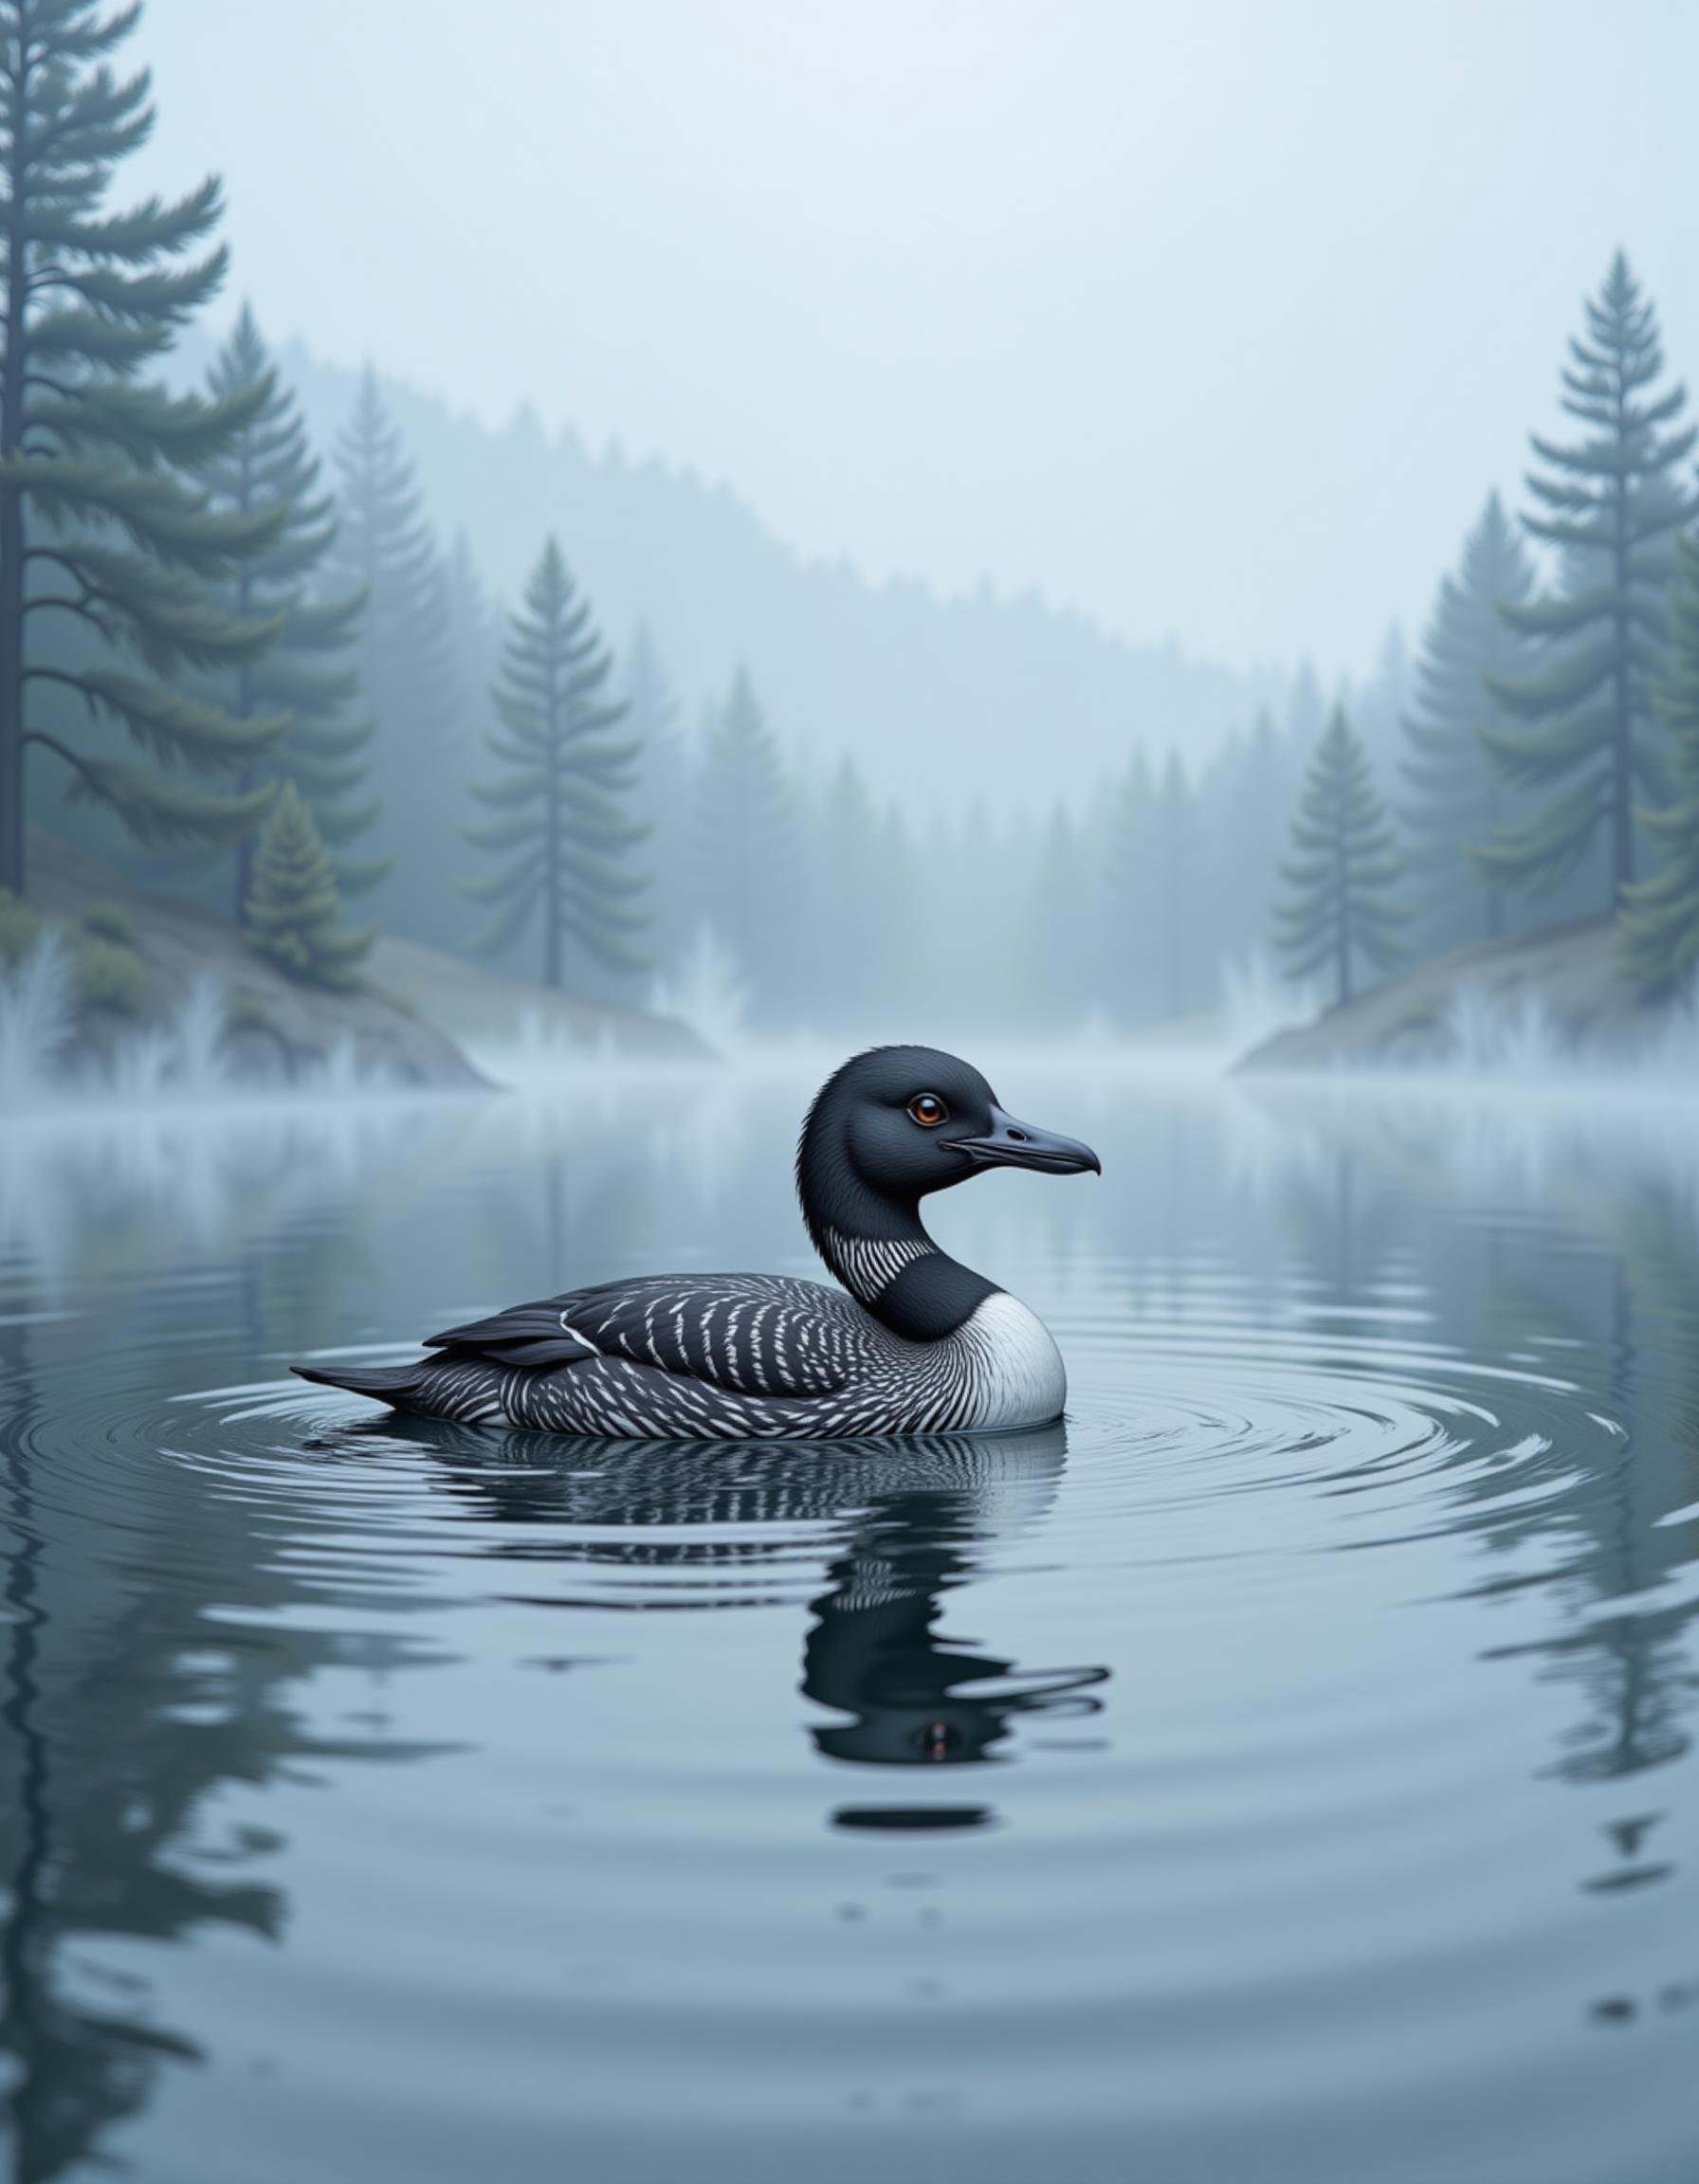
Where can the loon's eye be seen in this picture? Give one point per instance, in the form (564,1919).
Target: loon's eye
(928,1110)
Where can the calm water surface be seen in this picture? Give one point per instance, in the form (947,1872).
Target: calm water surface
(1280,1771)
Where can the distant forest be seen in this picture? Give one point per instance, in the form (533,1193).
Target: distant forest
(240,659)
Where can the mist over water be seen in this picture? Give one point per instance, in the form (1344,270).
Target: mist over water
(1281,1768)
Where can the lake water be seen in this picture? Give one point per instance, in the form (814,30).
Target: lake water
(1281,1771)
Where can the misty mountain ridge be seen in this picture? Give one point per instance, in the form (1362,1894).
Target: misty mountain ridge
(940,699)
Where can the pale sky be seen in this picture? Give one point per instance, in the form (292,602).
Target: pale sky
(1215,321)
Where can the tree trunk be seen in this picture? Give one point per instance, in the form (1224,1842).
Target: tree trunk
(12,525)
(1341,929)
(1176,982)
(246,780)
(551,848)
(250,777)
(1622,814)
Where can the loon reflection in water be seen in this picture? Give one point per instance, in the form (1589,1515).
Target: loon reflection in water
(921,1344)
(914,1515)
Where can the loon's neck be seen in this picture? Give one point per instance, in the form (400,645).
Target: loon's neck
(878,1249)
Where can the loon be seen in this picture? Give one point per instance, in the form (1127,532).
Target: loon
(919,1344)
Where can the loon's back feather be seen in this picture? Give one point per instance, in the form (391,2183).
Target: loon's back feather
(749,1334)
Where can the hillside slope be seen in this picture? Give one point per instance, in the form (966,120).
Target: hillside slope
(488,1013)
(401,1028)
(1563,986)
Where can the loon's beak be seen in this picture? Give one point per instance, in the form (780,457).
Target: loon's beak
(1012,1144)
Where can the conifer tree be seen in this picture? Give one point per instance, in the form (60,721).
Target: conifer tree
(905,976)
(1134,894)
(1248,842)
(1660,915)
(1455,795)
(1177,864)
(105,548)
(748,847)
(847,862)
(294,912)
(385,548)
(1611,505)
(1340,903)
(1059,963)
(310,673)
(562,828)
(474,638)
(661,798)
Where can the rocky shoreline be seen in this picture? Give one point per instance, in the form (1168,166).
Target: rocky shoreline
(1551,994)
(153,988)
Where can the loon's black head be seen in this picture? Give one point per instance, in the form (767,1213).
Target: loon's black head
(899,1123)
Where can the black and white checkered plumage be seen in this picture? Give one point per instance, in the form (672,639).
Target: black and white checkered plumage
(914,1343)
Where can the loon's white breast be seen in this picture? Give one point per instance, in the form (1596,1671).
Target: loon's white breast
(1016,1374)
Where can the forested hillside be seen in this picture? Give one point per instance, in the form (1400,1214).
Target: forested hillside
(297,642)
(924,690)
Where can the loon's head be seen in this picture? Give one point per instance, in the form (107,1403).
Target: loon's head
(899,1123)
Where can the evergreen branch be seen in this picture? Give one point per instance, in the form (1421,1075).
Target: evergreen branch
(158,812)
(175,726)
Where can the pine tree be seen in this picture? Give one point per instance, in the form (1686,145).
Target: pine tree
(1612,506)
(748,841)
(474,638)
(294,912)
(1339,903)
(386,549)
(563,831)
(1660,915)
(1379,707)
(846,860)
(1245,837)
(1135,895)
(311,672)
(905,976)
(1456,797)
(662,796)
(1176,866)
(100,532)
(1055,994)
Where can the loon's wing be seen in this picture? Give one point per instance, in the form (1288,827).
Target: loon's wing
(751,1334)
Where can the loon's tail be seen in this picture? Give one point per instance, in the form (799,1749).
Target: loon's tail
(395,1385)
(466,1391)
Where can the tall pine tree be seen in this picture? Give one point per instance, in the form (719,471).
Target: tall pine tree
(1178,868)
(474,643)
(1611,504)
(563,831)
(106,548)
(1245,839)
(1135,960)
(748,862)
(311,672)
(1456,796)
(1339,903)
(385,548)
(1660,915)
(1059,964)
(661,798)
